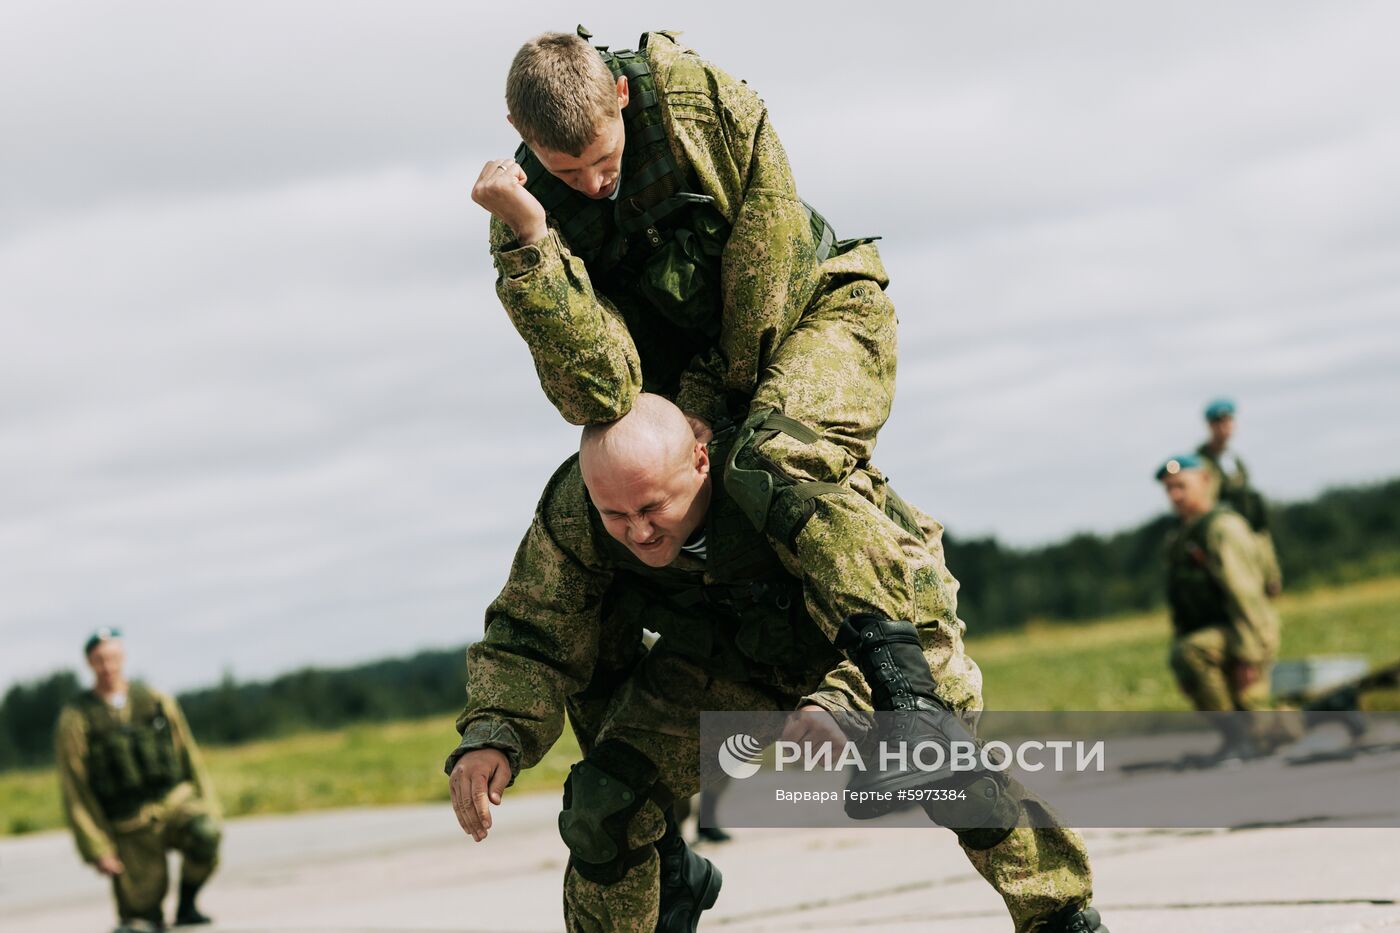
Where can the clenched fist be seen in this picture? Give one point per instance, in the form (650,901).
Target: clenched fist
(500,188)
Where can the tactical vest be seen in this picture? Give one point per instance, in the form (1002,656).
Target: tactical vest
(744,616)
(1237,493)
(654,249)
(130,762)
(1195,594)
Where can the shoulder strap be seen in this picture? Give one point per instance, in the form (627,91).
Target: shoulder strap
(143,701)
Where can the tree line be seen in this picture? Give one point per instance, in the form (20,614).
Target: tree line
(1341,536)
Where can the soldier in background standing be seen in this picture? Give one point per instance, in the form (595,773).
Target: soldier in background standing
(134,786)
(1233,487)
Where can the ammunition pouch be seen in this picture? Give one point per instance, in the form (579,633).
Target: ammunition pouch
(602,794)
(131,763)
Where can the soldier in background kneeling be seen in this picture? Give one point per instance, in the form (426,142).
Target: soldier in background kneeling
(134,786)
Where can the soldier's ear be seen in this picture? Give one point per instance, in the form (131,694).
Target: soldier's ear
(624,92)
(702,458)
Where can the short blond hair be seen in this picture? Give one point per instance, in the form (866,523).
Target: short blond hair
(559,91)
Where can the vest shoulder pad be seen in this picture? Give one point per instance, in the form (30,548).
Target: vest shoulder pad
(1223,522)
(143,699)
(674,67)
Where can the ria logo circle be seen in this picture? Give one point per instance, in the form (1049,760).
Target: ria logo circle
(739,755)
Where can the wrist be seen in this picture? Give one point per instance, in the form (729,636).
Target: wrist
(530,234)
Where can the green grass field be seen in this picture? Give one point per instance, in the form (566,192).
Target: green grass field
(1112,664)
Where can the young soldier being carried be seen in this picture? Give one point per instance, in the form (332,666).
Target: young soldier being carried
(648,233)
(638,530)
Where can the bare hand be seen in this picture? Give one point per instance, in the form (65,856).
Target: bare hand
(1245,675)
(500,188)
(109,865)
(814,726)
(701,427)
(476,782)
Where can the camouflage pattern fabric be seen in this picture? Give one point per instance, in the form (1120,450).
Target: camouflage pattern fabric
(815,342)
(1237,623)
(1233,488)
(550,629)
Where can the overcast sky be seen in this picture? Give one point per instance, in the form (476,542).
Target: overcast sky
(260,407)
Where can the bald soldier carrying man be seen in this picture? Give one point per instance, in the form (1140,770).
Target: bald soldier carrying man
(1226,630)
(134,786)
(639,530)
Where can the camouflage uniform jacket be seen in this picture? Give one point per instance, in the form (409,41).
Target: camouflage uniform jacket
(543,632)
(93,831)
(585,350)
(1216,576)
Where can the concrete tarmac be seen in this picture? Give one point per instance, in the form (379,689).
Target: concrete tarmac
(411,869)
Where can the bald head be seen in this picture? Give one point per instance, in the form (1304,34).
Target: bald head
(653,437)
(648,477)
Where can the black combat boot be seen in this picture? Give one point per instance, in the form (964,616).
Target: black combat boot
(890,657)
(689,883)
(186,914)
(1075,920)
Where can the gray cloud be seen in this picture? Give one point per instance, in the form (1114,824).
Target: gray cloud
(260,406)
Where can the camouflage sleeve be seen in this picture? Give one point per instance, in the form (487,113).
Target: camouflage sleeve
(701,391)
(586,361)
(1254,627)
(843,690)
(91,831)
(1273,571)
(194,759)
(769,268)
(542,635)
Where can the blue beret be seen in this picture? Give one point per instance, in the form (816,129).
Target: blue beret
(98,637)
(1176,464)
(1220,408)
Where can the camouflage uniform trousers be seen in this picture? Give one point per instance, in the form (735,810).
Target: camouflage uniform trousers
(1203,667)
(1036,871)
(835,373)
(142,843)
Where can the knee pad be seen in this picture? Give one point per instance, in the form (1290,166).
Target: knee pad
(983,815)
(202,837)
(773,502)
(602,794)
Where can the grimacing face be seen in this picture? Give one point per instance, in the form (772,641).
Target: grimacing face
(107,660)
(595,171)
(654,512)
(1189,492)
